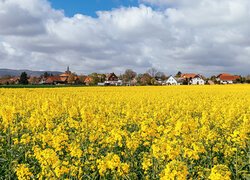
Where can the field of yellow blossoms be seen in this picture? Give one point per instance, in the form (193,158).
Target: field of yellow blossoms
(184,132)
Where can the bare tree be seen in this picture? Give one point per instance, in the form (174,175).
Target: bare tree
(71,78)
(152,72)
(129,75)
(81,79)
(160,75)
(145,79)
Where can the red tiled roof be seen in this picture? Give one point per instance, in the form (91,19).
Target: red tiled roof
(88,79)
(63,78)
(188,75)
(227,77)
(14,79)
(224,74)
(65,75)
(53,79)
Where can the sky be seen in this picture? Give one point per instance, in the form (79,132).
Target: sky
(206,36)
(90,7)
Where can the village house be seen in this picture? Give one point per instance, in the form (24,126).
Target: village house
(88,80)
(171,81)
(66,78)
(193,79)
(133,82)
(197,80)
(225,78)
(54,80)
(14,80)
(112,79)
(42,80)
(159,81)
(34,80)
(9,80)
(4,81)
(188,76)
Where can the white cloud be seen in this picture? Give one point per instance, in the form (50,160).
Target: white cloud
(208,36)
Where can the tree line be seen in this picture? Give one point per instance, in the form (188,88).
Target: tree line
(130,77)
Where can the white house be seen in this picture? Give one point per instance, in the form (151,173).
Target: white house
(197,80)
(227,78)
(171,81)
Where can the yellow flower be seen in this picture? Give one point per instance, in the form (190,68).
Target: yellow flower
(220,172)
(146,164)
(175,170)
(22,172)
(125,132)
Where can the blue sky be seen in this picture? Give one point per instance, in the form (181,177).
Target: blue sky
(89,7)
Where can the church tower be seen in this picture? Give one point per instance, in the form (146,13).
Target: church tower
(68,71)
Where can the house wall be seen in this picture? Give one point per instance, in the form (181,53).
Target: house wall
(112,78)
(197,81)
(171,81)
(116,83)
(226,82)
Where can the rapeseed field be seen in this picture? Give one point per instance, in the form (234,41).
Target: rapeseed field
(181,132)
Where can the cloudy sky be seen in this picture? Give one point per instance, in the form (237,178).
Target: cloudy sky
(205,36)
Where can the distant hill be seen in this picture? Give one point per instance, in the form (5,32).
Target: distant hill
(12,72)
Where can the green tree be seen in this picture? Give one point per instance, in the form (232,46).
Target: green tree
(95,78)
(178,74)
(46,74)
(24,78)
(102,77)
(241,80)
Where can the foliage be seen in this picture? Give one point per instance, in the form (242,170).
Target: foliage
(184,132)
(23,78)
(96,78)
(178,74)
(46,75)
